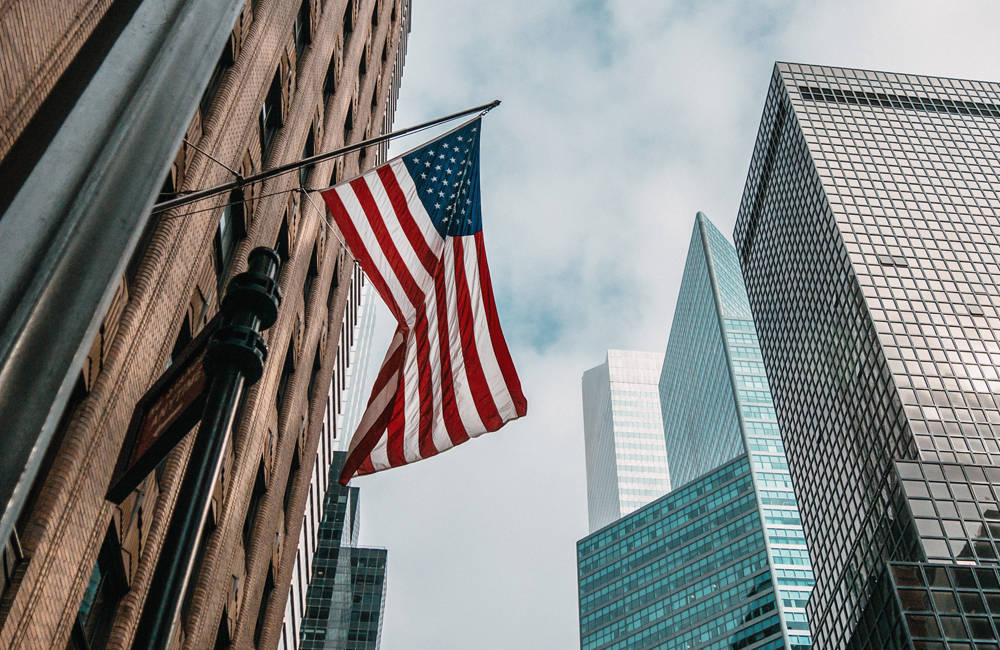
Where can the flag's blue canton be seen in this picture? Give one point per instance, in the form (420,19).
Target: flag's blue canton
(446,173)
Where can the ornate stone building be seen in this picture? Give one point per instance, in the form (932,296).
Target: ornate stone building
(295,77)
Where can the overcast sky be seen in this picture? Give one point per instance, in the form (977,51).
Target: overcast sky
(619,121)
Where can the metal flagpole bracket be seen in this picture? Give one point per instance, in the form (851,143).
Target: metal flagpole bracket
(312,160)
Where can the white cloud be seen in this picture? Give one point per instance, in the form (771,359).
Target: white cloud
(620,120)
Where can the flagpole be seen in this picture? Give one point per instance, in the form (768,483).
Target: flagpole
(312,160)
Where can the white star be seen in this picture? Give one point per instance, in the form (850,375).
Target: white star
(437,167)
(452,196)
(445,183)
(427,164)
(456,149)
(463,211)
(431,152)
(447,171)
(423,176)
(459,138)
(473,130)
(468,221)
(453,160)
(468,201)
(430,191)
(416,160)
(434,179)
(437,205)
(441,194)
(441,156)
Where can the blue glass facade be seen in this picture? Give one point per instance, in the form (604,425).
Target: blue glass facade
(720,562)
(690,570)
(345,600)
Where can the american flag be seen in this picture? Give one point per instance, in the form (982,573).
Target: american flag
(415,226)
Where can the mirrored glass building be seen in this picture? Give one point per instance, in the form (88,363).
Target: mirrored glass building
(868,238)
(623,435)
(720,562)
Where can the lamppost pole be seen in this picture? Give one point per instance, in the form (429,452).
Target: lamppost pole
(234,361)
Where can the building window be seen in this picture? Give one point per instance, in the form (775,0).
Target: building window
(286,375)
(180,343)
(293,473)
(311,276)
(302,33)
(307,152)
(348,123)
(231,230)
(225,62)
(253,509)
(330,82)
(262,612)
(270,116)
(348,18)
(333,284)
(281,244)
(317,365)
(222,638)
(105,588)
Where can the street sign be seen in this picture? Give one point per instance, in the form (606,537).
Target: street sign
(163,416)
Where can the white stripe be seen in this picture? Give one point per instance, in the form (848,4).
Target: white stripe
(370,242)
(411,406)
(425,283)
(380,454)
(484,344)
(463,392)
(433,238)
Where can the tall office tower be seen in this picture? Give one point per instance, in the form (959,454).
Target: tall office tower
(291,78)
(626,460)
(719,562)
(345,398)
(346,597)
(868,237)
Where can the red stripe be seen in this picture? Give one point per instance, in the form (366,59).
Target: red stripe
(396,430)
(410,228)
(496,334)
(417,298)
(362,451)
(366,467)
(359,250)
(449,403)
(481,394)
(385,372)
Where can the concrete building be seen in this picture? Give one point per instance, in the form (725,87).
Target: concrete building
(626,461)
(720,561)
(293,78)
(868,237)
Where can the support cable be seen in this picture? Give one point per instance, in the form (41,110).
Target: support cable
(312,160)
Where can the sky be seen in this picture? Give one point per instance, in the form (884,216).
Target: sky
(620,120)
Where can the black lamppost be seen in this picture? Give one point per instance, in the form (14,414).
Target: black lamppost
(234,361)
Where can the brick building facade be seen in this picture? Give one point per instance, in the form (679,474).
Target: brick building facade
(296,77)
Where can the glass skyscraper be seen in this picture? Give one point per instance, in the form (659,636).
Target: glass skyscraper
(720,562)
(623,435)
(329,534)
(346,595)
(868,237)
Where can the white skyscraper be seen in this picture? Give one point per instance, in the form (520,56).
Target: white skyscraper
(623,434)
